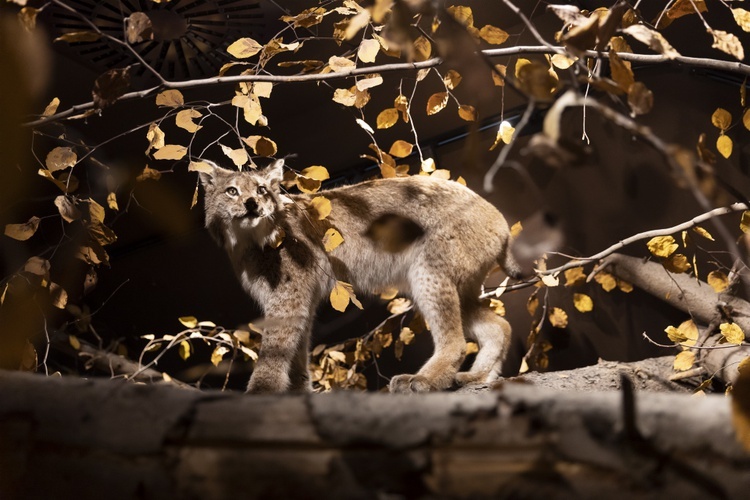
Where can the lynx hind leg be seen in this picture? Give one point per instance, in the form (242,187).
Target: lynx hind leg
(299,373)
(437,299)
(492,333)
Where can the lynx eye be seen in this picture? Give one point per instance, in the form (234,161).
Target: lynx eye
(232,191)
(262,190)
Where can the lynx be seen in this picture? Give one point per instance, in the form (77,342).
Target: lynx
(275,245)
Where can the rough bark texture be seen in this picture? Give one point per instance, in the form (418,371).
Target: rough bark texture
(72,438)
(696,298)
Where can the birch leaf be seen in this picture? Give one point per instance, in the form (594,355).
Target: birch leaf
(321,207)
(22,232)
(170,98)
(493,35)
(368,50)
(742,18)
(662,246)
(583,302)
(467,113)
(653,39)
(724,146)
(184,120)
(332,239)
(718,281)
(339,297)
(387,118)
(558,318)
(244,48)
(684,361)
(171,152)
(732,333)
(60,158)
(401,149)
(51,108)
(728,43)
(721,119)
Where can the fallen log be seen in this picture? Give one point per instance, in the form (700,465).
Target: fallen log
(64,437)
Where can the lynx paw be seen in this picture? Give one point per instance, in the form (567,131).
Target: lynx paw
(465,378)
(406,384)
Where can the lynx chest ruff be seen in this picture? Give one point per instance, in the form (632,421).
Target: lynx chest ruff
(434,240)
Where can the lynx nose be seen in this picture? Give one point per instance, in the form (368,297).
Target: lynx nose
(251,206)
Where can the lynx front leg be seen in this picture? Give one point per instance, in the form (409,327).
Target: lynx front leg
(438,301)
(493,336)
(279,359)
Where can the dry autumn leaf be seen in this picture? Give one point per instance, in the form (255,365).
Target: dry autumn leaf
(653,39)
(422,49)
(185,350)
(583,302)
(401,149)
(742,18)
(244,48)
(745,222)
(368,50)
(718,281)
(218,354)
(155,137)
(606,280)
(51,108)
(677,263)
(493,35)
(188,321)
(662,246)
(686,333)
(262,146)
(728,43)
(437,103)
(78,36)
(721,119)
(321,206)
(732,333)
(467,113)
(184,120)
(332,239)
(345,97)
(22,232)
(516,229)
(558,318)
(387,118)
(67,208)
(60,158)
(337,64)
(684,361)
(575,276)
(171,152)
(451,79)
(724,146)
(170,98)
(238,156)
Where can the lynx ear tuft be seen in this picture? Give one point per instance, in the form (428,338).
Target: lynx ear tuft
(275,171)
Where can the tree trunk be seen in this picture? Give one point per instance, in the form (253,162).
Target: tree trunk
(73,438)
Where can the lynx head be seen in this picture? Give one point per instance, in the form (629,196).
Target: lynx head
(243,207)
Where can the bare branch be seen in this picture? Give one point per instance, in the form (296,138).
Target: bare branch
(729,66)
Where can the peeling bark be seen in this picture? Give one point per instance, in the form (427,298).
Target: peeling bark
(72,438)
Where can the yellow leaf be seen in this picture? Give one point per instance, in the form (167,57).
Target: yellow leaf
(244,48)
(684,361)
(60,158)
(368,50)
(184,119)
(79,36)
(345,97)
(741,404)
(316,172)
(155,138)
(728,43)
(745,221)
(558,318)
(606,280)
(218,354)
(389,293)
(677,263)
(427,165)
(112,201)
(148,174)
(171,152)
(498,76)
(451,79)
(406,335)
(746,118)
(653,39)
(22,232)
(493,35)
(401,149)
(200,166)
(262,146)
(583,302)
(703,233)
(516,229)
(58,295)
(624,286)
(686,333)
(339,297)
(422,49)
(332,239)
(238,156)
(263,89)
(185,349)
(387,118)
(742,18)
(562,61)
(721,119)
(467,112)
(441,173)
(321,206)
(497,307)
(462,14)
(307,185)
(520,63)
(471,348)
(188,321)
(575,276)
(399,306)
(662,246)
(51,108)
(532,304)
(732,333)
(718,281)
(337,64)
(437,103)
(74,342)
(170,98)
(724,146)
(369,82)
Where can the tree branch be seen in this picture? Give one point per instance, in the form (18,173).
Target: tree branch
(729,66)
